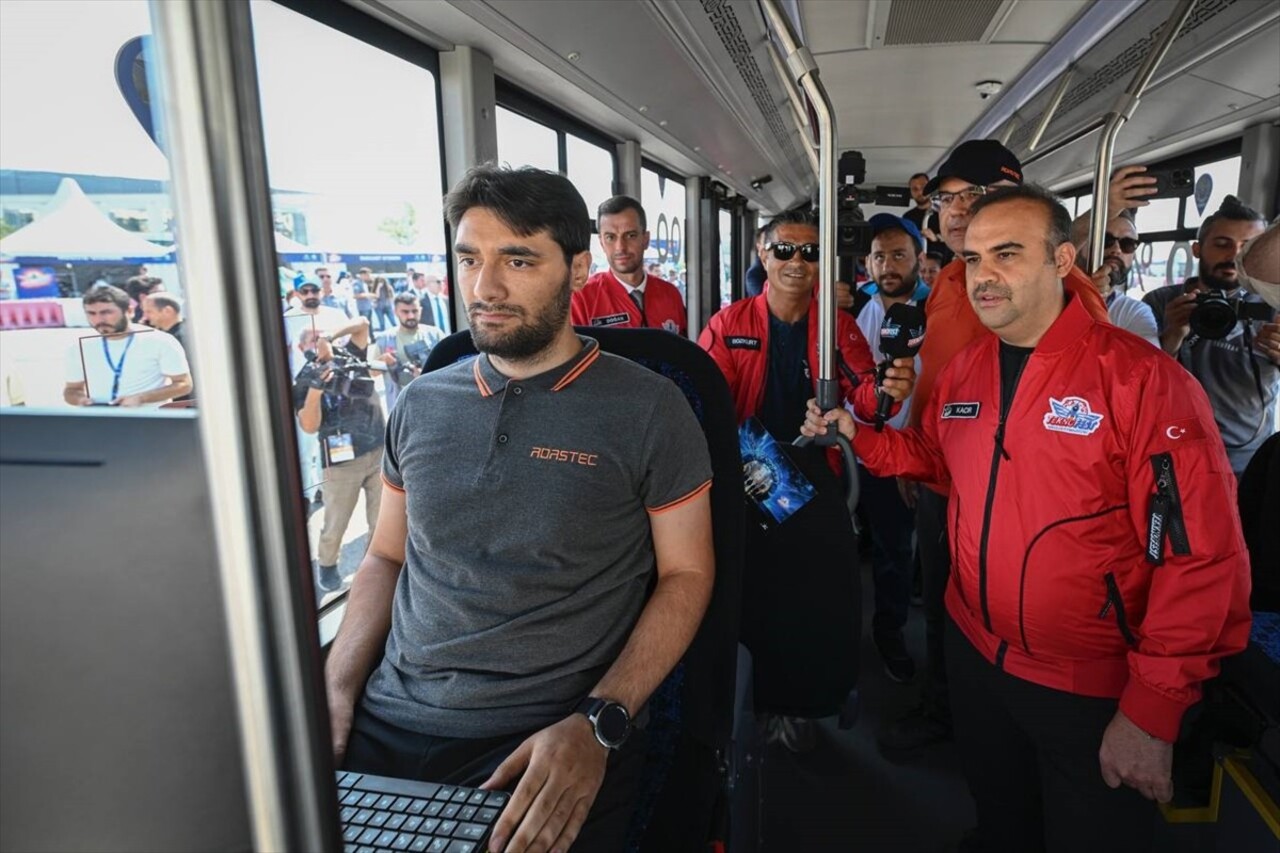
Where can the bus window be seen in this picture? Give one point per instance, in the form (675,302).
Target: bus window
(663,198)
(590,167)
(91,304)
(524,142)
(1225,180)
(352,141)
(726,257)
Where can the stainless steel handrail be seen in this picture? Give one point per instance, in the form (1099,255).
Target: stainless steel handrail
(226,251)
(1120,113)
(805,71)
(1051,110)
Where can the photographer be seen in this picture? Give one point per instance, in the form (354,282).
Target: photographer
(1238,362)
(404,348)
(333,396)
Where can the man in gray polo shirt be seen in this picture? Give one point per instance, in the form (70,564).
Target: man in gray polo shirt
(549,504)
(1241,371)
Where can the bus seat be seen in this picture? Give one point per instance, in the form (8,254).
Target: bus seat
(683,803)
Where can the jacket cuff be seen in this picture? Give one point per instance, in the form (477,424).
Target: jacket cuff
(1152,711)
(867,444)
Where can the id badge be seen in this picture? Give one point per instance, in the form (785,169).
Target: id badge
(340,448)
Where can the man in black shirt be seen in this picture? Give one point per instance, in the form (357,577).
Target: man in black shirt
(336,400)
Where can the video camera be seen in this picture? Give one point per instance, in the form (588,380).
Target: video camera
(853,234)
(350,376)
(1215,315)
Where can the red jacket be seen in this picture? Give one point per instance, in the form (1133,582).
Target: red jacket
(603,301)
(1054,541)
(738,339)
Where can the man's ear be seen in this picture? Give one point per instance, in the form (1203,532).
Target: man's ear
(1064,258)
(580,270)
(1195,249)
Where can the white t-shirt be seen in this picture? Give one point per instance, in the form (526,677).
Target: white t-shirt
(869,321)
(297,321)
(143,358)
(1134,316)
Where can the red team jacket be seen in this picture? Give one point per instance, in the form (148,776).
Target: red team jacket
(603,301)
(738,339)
(1096,550)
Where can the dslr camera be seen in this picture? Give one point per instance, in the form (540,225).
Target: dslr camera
(350,377)
(1214,315)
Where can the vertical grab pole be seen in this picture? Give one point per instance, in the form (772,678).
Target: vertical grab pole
(805,70)
(1120,113)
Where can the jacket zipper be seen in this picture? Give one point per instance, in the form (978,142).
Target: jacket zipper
(1116,601)
(997,452)
(1022,584)
(1164,515)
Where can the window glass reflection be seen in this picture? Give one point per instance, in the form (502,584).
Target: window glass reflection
(354,163)
(91,304)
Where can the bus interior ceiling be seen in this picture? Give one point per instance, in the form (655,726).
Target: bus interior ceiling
(695,85)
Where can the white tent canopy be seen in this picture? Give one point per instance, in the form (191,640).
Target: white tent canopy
(73,229)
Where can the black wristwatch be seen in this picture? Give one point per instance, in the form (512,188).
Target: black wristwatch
(610,720)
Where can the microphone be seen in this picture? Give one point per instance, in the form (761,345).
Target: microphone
(901,335)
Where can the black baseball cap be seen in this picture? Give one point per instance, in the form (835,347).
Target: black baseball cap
(979,161)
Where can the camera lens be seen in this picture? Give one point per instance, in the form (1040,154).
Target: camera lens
(1213,317)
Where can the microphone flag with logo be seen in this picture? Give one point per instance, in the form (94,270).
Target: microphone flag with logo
(901,335)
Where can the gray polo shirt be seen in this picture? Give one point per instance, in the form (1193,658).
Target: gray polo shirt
(529,554)
(1225,369)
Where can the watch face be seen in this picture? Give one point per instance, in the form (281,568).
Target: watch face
(613,725)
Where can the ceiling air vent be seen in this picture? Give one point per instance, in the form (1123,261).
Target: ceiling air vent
(938,21)
(727,27)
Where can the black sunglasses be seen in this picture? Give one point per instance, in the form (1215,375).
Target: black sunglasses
(785,251)
(1127,244)
(309,289)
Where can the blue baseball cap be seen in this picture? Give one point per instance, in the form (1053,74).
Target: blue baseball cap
(888,222)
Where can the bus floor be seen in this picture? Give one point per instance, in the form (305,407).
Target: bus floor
(845,797)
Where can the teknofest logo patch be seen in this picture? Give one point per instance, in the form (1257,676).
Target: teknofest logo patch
(1071,415)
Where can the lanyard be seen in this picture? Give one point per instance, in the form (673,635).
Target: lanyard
(116,369)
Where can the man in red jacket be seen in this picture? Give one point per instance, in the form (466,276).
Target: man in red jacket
(1099,573)
(625,295)
(974,168)
(767,345)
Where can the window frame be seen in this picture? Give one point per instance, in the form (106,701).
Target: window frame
(1189,160)
(510,97)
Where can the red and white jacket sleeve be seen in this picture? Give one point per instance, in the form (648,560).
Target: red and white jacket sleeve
(857,357)
(1182,503)
(914,453)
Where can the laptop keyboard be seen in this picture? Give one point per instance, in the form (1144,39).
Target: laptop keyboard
(383,814)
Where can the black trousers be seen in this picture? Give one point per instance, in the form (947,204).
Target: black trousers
(935,569)
(1030,755)
(382,749)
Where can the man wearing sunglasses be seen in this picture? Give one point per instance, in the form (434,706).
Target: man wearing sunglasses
(767,345)
(972,168)
(1112,279)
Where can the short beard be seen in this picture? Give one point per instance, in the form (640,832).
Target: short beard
(1211,281)
(909,282)
(409,322)
(313,302)
(530,338)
